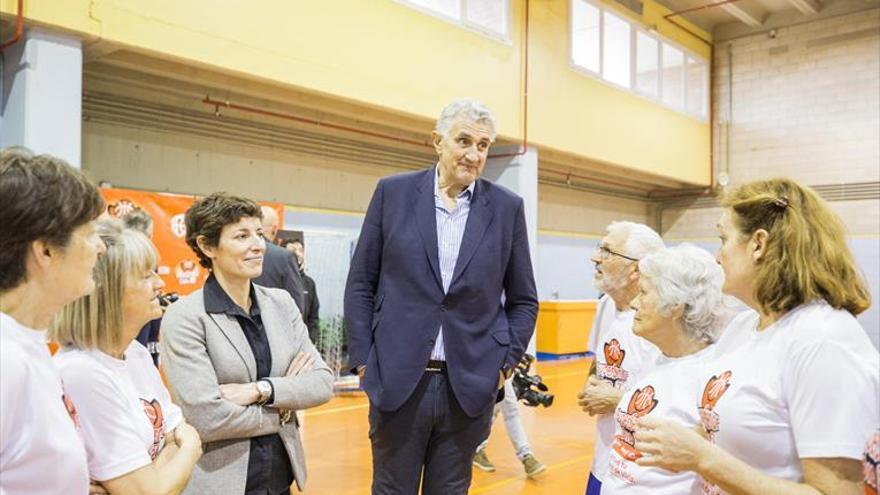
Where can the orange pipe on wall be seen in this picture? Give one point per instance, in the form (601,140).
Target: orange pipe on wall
(19,27)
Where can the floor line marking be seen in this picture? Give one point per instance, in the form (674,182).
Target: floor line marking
(483,489)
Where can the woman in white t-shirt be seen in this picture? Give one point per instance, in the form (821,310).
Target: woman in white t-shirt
(679,309)
(47,250)
(788,410)
(136,439)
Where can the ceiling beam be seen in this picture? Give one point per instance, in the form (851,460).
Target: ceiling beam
(806,7)
(748,15)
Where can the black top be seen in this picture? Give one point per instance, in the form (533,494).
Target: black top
(269,471)
(149,337)
(311,306)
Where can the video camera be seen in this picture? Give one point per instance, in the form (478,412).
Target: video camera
(523,383)
(166,300)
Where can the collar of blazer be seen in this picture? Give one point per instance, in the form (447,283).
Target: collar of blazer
(273,324)
(479,219)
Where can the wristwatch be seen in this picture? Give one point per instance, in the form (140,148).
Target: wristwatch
(265,388)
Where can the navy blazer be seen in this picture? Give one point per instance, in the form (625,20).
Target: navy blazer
(394,300)
(281,271)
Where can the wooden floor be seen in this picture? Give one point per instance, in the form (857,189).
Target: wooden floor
(338,450)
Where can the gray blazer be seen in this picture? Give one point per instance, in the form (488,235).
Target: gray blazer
(203,350)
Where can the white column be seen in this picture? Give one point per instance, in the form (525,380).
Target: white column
(41,106)
(519,174)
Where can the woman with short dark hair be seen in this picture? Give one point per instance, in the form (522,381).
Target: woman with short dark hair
(239,359)
(48,247)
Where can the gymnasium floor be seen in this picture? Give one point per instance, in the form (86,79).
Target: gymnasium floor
(338,450)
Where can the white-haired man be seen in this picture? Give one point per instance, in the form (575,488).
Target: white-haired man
(428,332)
(620,356)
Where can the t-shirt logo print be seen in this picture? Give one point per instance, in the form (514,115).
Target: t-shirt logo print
(872,465)
(71,410)
(157,419)
(712,392)
(612,371)
(641,403)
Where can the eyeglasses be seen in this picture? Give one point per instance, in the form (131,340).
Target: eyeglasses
(605,253)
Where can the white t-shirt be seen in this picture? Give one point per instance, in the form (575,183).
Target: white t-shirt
(805,387)
(621,359)
(669,391)
(124,408)
(40,449)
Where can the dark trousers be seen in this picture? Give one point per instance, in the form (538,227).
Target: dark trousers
(430,438)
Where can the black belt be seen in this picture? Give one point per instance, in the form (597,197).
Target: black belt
(436,366)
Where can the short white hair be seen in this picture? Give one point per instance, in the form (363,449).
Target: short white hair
(688,276)
(640,240)
(468,109)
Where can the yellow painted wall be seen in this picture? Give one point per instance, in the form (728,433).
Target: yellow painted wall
(388,55)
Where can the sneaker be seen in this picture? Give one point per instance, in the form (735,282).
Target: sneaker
(532,466)
(482,462)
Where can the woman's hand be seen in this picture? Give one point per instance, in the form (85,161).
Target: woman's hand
(669,445)
(243,394)
(598,397)
(96,488)
(302,363)
(186,437)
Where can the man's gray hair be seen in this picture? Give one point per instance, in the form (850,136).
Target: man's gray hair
(468,109)
(641,240)
(688,276)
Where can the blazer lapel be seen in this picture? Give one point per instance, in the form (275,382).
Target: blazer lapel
(426,219)
(279,333)
(479,219)
(229,326)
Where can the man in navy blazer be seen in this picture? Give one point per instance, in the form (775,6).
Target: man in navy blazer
(440,304)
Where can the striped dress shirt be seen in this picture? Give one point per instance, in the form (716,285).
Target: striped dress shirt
(450,231)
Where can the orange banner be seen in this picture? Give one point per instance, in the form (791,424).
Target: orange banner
(178,265)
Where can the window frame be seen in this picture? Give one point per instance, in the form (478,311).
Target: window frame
(635,28)
(463,22)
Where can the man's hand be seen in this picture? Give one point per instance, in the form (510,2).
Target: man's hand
(361,370)
(243,394)
(598,397)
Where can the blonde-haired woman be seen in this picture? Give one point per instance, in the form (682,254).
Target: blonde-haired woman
(136,439)
(789,409)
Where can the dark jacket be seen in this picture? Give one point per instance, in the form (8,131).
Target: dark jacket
(312,306)
(395,304)
(281,271)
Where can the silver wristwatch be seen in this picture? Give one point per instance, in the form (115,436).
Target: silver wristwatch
(265,388)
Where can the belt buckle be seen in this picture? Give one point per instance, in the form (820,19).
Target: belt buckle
(434,367)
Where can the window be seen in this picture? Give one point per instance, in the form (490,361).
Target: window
(609,46)
(696,86)
(487,16)
(616,50)
(445,7)
(673,76)
(647,65)
(585,34)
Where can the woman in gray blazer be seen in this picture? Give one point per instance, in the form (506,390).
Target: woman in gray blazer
(239,360)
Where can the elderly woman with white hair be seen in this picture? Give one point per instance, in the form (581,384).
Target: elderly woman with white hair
(679,309)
